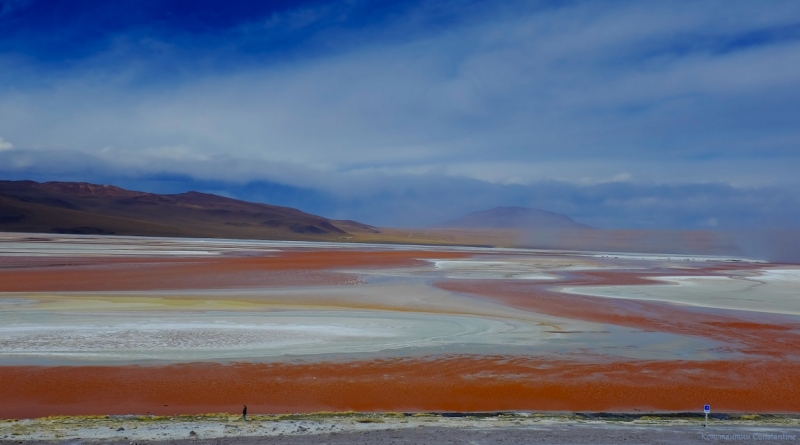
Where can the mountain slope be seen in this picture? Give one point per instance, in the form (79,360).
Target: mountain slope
(68,207)
(514,218)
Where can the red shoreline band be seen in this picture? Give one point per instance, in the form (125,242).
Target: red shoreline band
(460,383)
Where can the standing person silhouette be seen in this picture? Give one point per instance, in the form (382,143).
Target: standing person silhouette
(244,413)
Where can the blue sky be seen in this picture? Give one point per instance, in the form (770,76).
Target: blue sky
(679,115)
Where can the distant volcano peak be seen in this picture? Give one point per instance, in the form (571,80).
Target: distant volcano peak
(514,217)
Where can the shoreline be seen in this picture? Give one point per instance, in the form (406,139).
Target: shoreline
(355,427)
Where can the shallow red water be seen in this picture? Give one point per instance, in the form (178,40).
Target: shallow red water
(753,333)
(284,268)
(461,383)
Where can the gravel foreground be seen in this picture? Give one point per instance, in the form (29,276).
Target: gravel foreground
(353,428)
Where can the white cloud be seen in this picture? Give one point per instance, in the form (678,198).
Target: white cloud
(5,145)
(588,93)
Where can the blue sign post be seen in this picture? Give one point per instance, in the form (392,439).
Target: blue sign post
(706,410)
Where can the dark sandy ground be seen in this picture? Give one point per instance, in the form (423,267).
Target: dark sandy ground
(395,428)
(554,434)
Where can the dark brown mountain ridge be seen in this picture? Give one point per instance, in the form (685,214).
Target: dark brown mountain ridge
(83,208)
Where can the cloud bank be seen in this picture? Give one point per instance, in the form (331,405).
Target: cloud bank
(678,115)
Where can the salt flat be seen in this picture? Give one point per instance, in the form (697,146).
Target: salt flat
(774,290)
